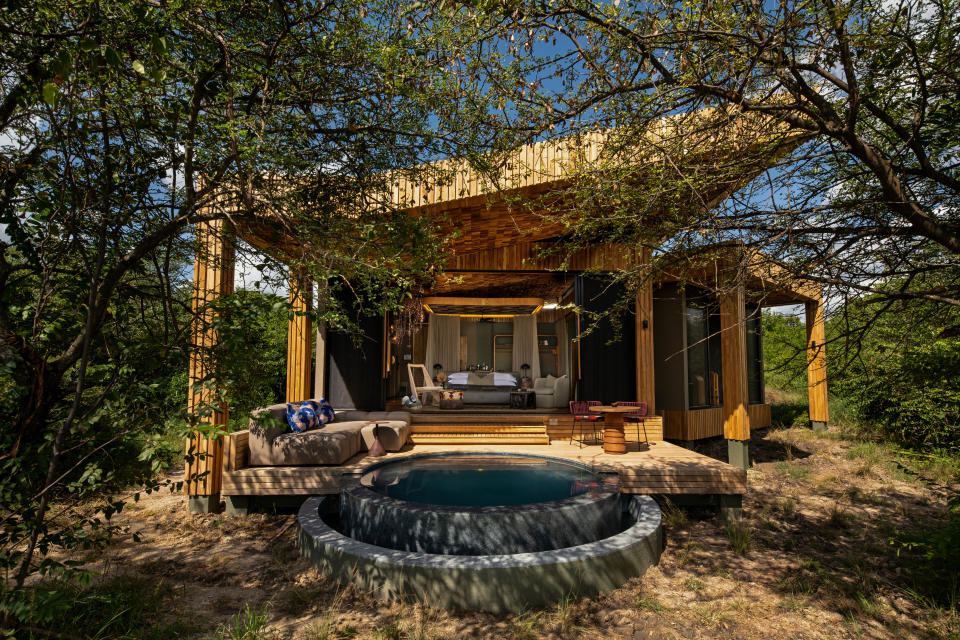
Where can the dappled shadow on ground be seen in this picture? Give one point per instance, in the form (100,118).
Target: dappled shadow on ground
(824,520)
(762,447)
(816,563)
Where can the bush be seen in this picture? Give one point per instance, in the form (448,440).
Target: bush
(912,394)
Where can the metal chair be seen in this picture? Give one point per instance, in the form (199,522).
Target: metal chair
(580,410)
(636,417)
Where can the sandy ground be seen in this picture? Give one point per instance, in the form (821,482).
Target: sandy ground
(818,564)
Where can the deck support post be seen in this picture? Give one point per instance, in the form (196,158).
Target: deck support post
(646,390)
(299,340)
(738,453)
(736,396)
(212,278)
(237,505)
(731,507)
(817,365)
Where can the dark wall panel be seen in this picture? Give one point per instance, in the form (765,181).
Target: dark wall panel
(608,372)
(354,372)
(669,356)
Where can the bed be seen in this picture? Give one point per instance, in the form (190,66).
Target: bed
(484,387)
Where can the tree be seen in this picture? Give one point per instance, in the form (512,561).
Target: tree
(126,124)
(822,134)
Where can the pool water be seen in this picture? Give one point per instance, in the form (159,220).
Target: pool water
(482,481)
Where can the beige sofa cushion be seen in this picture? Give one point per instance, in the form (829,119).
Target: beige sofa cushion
(271,444)
(393,434)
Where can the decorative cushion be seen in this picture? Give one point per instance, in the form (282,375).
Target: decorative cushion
(304,417)
(326,414)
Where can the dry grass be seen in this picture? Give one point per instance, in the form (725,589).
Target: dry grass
(811,559)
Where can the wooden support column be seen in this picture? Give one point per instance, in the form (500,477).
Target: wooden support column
(212,278)
(817,365)
(736,398)
(646,390)
(299,341)
(320,362)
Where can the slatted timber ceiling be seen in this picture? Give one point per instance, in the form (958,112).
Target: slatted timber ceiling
(489,307)
(768,282)
(503,284)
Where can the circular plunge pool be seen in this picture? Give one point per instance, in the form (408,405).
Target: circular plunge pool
(495,532)
(475,504)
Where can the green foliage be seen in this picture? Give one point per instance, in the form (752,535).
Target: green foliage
(252,351)
(133,124)
(122,607)
(935,566)
(904,383)
(784,352)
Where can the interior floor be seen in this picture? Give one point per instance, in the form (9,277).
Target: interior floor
(495,409)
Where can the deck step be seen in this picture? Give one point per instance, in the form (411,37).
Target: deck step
(451,417)
(479,434)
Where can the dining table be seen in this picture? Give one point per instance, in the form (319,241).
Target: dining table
(614,440)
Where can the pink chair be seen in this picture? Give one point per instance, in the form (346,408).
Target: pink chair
(580,410)
(636,417)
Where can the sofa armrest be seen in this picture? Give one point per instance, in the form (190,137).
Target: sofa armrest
(236,450)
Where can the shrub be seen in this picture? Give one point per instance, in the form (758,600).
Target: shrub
(912,394)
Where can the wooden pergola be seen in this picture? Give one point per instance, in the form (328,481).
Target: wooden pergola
(497,237)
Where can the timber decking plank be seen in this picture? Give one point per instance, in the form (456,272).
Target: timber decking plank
(663,468)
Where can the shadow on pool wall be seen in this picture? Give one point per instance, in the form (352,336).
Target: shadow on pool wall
(498,583)
(546,504)
(495,583)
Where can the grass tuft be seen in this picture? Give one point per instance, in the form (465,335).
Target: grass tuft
(249,624)
(693,584)
(673,517)
(739,536)
(650,603)
(524,626)
(793,470)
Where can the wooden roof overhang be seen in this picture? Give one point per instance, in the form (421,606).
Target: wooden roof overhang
(500,221)
(767,281)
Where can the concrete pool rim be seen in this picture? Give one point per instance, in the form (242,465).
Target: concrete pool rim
(497,583)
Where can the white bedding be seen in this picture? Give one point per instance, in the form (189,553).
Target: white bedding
(493,379)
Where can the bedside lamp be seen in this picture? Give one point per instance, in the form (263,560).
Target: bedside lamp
(525,380)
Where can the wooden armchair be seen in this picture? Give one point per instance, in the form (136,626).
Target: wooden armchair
(422,383)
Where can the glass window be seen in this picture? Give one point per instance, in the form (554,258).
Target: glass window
(698,357)
(754,355)
(704,358)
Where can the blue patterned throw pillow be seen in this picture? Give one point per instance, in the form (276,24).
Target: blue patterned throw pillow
(302,417)
(309,415)
(325,412)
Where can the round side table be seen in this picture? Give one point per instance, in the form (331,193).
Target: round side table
(614,440)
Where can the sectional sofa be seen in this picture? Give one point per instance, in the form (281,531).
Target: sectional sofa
(273,444)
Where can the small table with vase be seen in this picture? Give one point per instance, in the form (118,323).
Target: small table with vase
(614,440)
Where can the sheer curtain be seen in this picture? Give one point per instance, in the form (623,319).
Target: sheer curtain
(443,343)
(562,347)
(525,349)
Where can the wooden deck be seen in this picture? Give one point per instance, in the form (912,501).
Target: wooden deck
(663,468)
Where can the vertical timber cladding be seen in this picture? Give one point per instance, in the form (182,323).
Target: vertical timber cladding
(212,278)
(816,362)
(733,345)
(355,364)
(299,341)
(643,326)
(608,370)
